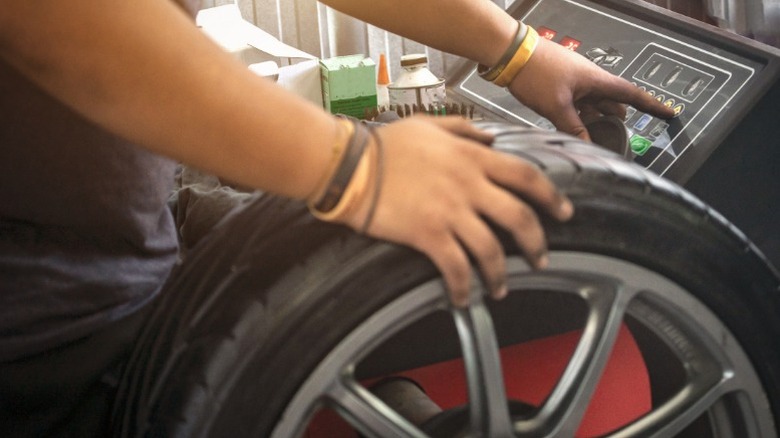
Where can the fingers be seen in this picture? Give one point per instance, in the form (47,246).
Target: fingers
(453,264)
(612,108)
(647,103)
(620,90)
(470,234)
(462,128)
(483,245)
(517,217)
(506,210)
(440,192)
(564,81)
(530,182)
(521,221)
(568,120)
(589,113)
(488,199)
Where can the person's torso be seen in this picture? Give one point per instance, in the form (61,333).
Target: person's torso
(85,233)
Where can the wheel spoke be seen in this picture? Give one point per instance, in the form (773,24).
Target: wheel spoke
(719,380)
(566,405)
(684,408)
(369,414)
(487,395)
(353,401)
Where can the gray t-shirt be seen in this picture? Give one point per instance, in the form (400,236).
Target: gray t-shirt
(86,237)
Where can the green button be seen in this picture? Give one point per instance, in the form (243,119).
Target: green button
(639,144)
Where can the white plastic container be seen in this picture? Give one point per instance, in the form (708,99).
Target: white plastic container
(416,85)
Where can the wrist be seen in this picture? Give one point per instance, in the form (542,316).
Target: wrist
(344,132)
(346,176)
(352,194)
(514,59)
(490,73)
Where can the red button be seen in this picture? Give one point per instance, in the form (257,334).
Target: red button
(545,32)
(570,43)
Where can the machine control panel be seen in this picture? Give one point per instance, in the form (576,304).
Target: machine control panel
(699,80)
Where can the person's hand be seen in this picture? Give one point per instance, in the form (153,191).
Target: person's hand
(566,87)
(441,183)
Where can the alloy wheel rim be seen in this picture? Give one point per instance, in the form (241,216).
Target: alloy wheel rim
(720,381)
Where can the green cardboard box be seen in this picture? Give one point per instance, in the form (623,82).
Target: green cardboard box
(348,84)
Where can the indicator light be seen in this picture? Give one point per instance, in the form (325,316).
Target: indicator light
(570,43)
(546,32)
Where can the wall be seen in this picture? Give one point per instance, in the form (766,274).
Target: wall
(304,24)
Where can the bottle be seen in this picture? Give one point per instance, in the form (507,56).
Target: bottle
(416,85)
(382,81)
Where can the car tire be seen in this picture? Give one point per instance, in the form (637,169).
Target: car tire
(270,310)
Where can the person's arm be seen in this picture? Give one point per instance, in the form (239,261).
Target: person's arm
(556,82)
(143,70)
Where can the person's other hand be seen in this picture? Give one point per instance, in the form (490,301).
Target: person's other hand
(565,87)
(440,185)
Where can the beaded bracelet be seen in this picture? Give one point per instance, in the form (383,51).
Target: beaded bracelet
(491,73)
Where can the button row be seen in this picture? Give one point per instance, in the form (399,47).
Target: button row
(678,108)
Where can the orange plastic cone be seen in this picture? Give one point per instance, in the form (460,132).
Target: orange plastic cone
(383,78)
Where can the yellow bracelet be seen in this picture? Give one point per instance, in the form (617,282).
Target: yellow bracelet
(344,132)
(491,73)
(355,191)
(519,60)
